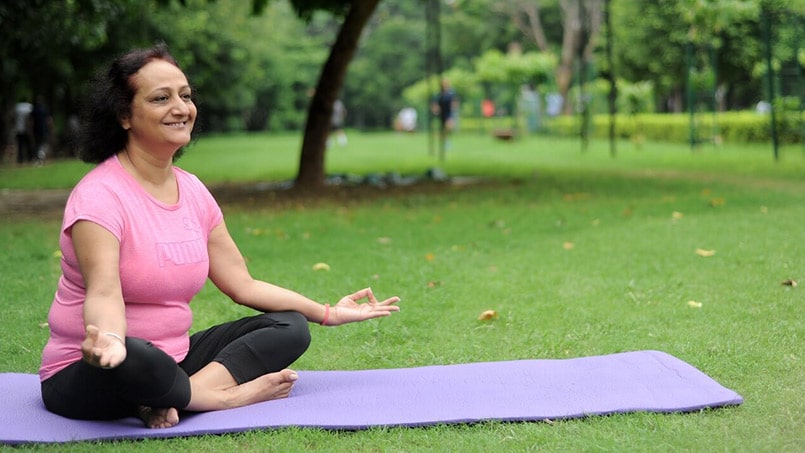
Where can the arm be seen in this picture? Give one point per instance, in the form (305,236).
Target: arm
(229,273)
(98,254)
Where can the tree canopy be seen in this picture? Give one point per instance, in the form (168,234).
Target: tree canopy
(280,65)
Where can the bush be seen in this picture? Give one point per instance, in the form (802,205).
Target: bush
(728,127)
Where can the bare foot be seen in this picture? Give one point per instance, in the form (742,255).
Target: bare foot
(213,388)
(158,418)
(272,386)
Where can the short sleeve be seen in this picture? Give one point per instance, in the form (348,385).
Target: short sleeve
(94,203)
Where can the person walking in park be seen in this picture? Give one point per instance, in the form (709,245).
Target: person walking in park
(139,239)
(42,124)
(337,124)
(22,131)
(445,107)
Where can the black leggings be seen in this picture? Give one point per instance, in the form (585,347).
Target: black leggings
(248,348)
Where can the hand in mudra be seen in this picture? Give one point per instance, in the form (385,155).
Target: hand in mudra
(348,309)
(102,350)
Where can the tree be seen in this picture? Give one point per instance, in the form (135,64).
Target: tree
(311,175)
(691,30)
(47,45)
(387,61)
(581,23)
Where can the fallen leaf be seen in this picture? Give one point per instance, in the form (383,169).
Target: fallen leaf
(434,284)
(705,253)
(255,231)
(716,202)
(568,245)
(576,196)
(430,256)
(676,215)
(321,267)
(764,210)
(43,325)
(488,315)
(694,304)
(57,254)
(789,282)
(384,240)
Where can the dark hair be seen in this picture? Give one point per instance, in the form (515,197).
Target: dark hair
(109,101)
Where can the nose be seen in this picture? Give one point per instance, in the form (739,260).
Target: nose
(180,106)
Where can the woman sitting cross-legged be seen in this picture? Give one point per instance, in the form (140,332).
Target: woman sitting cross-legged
(139,239)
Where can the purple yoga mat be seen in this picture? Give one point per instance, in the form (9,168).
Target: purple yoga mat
(520,390)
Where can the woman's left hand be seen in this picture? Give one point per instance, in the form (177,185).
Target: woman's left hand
(348,309)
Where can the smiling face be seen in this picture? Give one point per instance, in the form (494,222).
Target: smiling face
(162,111)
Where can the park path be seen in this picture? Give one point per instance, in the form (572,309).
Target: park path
(49,203)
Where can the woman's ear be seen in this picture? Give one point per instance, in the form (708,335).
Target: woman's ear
(125,123)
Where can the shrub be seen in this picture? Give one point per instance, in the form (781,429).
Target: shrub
(733,127)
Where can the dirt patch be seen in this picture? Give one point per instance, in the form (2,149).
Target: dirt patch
(49,204)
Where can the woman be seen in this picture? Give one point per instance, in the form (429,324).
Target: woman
(139,239)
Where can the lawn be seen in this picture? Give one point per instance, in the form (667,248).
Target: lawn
(578,252)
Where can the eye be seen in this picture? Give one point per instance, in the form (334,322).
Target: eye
(160,99)
(187,97)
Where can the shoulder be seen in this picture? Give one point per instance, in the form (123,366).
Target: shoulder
(189,180)
(97,197)
(101,179)
(196,192)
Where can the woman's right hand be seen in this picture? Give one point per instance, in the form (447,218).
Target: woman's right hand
(101,350)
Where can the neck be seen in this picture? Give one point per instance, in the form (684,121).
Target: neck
(154,175)
(147,168)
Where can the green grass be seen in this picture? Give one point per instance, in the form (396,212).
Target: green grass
(624,284)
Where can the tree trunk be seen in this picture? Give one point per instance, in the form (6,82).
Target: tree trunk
(311,174)
(581,26)
(571,35)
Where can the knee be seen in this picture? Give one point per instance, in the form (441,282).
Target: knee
(144,361)
(294,328)
(298,329)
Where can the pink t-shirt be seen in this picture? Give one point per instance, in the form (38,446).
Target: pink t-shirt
(163,260)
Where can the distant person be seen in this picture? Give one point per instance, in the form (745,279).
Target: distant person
(445,107)
(22,131)
(488,108)
(530,107)
(139,239)
(554,102)
(337,122)
(406,120)
(42,124)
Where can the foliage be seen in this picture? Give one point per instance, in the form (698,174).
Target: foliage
(465,83)
(692,33)
(249,73)
(514,69)
(256,72)
(707,127)
(383,66)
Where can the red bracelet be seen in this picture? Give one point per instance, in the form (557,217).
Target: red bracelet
(326,314)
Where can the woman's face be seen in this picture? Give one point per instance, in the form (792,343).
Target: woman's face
(162,111)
